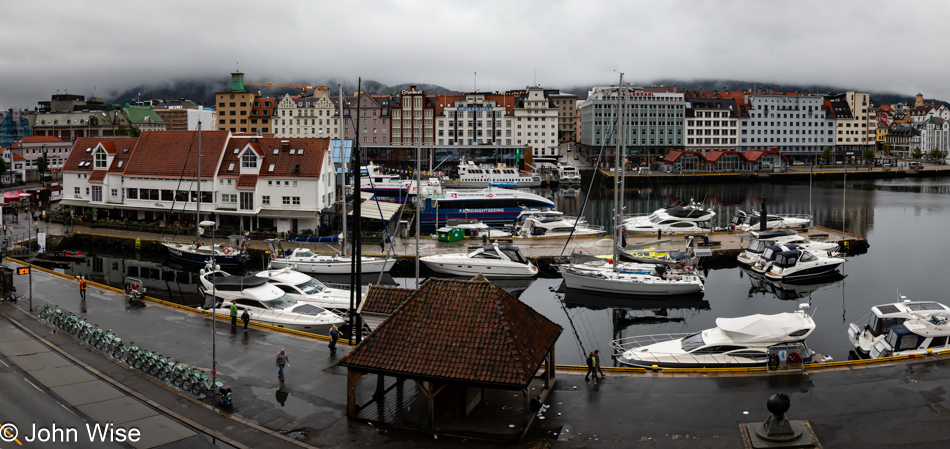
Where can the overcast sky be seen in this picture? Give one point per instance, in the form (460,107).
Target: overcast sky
(75,45)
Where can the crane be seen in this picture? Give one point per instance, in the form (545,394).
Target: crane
(303,87)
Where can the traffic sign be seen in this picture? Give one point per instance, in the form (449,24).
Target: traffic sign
(23,270)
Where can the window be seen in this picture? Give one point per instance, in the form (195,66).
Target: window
(132,194)
(247,200)
(265,199)
(249,160)
(100,160)
(96,193)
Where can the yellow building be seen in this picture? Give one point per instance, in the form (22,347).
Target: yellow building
(919,101)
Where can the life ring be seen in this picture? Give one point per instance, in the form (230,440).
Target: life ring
(687,268)
(794,359)
(226,250)
(489,195)
(273,256)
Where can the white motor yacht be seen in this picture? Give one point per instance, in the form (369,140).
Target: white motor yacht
(558,227)
(471,175)
(734,342)
(491,261)
(266,303)
(305,260)
(746,221)
(692,212)
(762,240)
(801,264)
(567,174)
(917,335)
(875,326)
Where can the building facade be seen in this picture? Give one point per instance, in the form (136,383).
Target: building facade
(566,105)
(239,111)
(655,121)
(313,116)
(794,124)
(21,155)
(14,125)
(413,118)
(712,124)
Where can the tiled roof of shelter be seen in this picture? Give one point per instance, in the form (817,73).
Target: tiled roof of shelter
(382,299)
(467,331)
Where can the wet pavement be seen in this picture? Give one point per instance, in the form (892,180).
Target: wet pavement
(892,406)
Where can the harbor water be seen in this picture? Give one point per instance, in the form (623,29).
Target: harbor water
(903,220)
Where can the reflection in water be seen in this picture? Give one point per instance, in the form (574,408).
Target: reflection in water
(514,287)
(789,290)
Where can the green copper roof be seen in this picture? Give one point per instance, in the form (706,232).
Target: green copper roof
(141,114)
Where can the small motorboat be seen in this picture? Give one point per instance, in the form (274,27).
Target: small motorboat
(664,219)
(874,327)
(558,227)
(491,261)
(307,261)
(300,286)
(762,240)
(746,221)
(734,342)
(801,264)
(475,229)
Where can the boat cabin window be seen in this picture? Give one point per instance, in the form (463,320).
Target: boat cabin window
(682,224)
(785,261)
(749,353)
(757,246)
(881,326)
(799,333)
(305,253)
(514,255)
(311,286)
(901,339)
(938,342)
(486,255)
(809,257)
(693,342)
(717,349)
(308,309)
(280,303)
(286,288)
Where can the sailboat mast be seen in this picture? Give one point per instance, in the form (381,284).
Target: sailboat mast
(198,204)
(345,172)
(618,217)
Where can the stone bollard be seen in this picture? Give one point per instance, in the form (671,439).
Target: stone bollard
(777,430)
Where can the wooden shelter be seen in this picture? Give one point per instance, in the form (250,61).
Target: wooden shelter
(456,342)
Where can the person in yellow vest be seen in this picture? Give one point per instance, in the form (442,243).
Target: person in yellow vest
(82,288)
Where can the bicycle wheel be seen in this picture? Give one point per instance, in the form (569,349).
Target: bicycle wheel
(177,378)
(118,353)
(139,362)
(131,358)
(197,388)
(83,334)
(187,382)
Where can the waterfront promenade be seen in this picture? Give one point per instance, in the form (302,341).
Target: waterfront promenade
(898,405)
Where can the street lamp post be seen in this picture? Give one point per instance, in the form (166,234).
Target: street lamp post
(214,301)
(29,248)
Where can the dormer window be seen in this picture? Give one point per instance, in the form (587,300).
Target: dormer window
(296,168)
(231,166)
(249,160)
(100,159)
(299,152)
(293,151)
(276,150)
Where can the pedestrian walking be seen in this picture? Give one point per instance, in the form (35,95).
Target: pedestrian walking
(590,368)
(234,316)
(597,363)
(282,360)
(82,288)
(659,234)
(334,336)
(246,317)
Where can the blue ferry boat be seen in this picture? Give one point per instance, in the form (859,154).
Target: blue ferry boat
(492,206)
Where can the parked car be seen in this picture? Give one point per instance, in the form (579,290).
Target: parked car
(914,165)
(798,163)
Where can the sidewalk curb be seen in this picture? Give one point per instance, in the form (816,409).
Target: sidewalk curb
(140,397)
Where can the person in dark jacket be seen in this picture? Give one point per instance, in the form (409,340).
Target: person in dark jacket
(282,360)
(590,367)
(334,336)
(246,317)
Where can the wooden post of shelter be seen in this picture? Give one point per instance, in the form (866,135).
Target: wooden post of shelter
(352,378)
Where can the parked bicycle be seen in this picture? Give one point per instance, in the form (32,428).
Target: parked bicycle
(197,382)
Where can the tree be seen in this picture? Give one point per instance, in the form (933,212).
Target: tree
(3,165)
(936,153)
(887,148)
(869,155)
(917,154)
(41,164)
(826,156)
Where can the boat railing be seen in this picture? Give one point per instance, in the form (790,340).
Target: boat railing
(336,285)
(638,341)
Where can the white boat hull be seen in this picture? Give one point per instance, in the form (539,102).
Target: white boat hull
(633,284)
(339,266)
(497,270)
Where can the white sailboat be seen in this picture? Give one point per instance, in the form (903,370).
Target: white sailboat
(628,280)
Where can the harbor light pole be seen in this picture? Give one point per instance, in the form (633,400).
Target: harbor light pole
(214,300)
(29,248)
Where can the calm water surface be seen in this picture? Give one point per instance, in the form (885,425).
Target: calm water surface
(904,220)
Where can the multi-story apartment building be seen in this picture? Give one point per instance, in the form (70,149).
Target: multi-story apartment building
(536,122)
(935,135)
(903,140)
(655,120)
(922,114)
(566,105)
(313,116)
(711,123)
(413,118)
(476,119)
(855,123)
(373,114)
(240,111)
(795,124)
(246,182)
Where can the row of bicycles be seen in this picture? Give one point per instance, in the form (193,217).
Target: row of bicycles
(189,379)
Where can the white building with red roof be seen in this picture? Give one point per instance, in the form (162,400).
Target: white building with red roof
(245,183)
